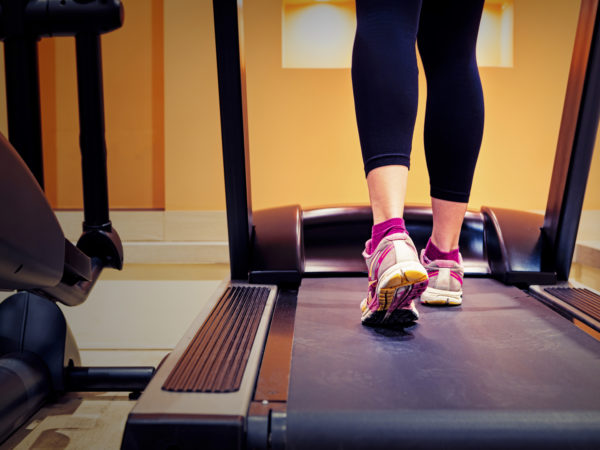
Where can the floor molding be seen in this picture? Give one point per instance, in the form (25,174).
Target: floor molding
(183,252)
(163,237)
(155,225)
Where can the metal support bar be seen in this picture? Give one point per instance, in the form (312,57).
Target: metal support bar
(91,137)
(108,378)
(231,77)
(576,141)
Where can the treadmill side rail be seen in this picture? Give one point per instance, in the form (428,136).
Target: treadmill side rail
(267,413)
(188,420)
(577,303)
(216,358)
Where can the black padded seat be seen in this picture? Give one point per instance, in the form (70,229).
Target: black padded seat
(26,385)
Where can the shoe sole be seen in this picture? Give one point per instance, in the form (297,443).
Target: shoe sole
(398,287)
(433,296)
(398,317)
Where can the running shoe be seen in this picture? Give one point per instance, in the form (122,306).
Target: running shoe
(396,278)
(445,281)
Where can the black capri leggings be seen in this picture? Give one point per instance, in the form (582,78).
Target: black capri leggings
(385,83)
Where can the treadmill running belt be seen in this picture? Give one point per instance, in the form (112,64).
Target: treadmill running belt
(503,370)
(215,359)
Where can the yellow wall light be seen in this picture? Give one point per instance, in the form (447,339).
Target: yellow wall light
(320,34)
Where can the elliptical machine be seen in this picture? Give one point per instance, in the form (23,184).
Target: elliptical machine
(39,358)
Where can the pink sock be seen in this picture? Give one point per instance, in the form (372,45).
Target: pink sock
(432,253)
(381,230)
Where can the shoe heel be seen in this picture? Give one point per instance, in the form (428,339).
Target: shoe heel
(415,276)
(399,276)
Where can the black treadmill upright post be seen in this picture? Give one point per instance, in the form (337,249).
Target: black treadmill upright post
(22,86)
(91,123)
(576,141)
(234,133)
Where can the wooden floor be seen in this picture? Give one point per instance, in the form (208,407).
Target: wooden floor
(76,421)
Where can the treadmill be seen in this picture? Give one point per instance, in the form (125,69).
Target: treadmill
(279,359)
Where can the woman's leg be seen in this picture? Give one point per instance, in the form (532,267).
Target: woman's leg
(447,222)
(453,131)
(385,83)
(387,191)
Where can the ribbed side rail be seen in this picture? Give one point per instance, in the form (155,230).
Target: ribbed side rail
(215,359)
(580,298)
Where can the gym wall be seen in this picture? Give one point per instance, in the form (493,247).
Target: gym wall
(162,120)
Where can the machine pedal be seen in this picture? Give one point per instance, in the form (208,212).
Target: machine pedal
(215,359)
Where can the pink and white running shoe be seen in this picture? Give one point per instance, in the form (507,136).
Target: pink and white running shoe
(445,281)
(396,278)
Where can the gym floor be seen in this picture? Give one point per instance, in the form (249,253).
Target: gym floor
(133,317)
